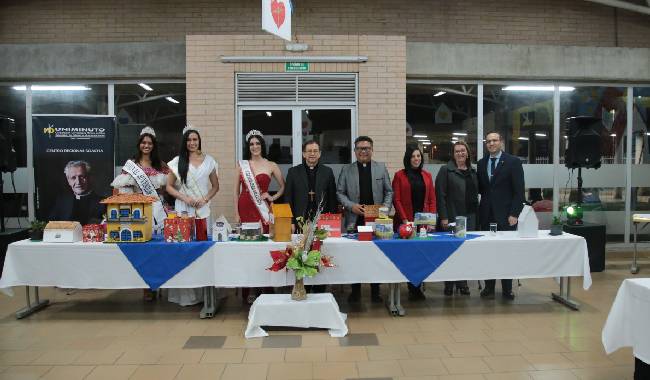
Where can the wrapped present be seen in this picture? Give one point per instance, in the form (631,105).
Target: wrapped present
(330,223)
(364,233)
(371,212)
(93,233)
(178,230)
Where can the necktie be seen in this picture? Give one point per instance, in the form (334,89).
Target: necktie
(493,161)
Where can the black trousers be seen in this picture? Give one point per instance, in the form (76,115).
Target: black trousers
(356,288)
(641,370)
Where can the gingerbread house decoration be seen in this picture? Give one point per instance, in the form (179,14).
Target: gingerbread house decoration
(281,227)
(129,218)
(62,232)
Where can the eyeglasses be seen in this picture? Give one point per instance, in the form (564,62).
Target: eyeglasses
(363,148)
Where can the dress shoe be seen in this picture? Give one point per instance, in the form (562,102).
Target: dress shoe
(354,297)
(488,294)
(510,296)
(376,298)
(416,295)
(449,291)
(464,290)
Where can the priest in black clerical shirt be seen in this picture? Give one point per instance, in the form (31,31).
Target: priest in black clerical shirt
(364,182)
(310,183)
(80,204)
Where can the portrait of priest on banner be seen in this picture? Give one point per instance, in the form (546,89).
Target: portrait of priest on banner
(78,201)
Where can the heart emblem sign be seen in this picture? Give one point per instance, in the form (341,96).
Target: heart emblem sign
(278,11)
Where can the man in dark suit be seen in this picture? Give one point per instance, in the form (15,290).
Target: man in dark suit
(501,185)
(310,183)
(81,203)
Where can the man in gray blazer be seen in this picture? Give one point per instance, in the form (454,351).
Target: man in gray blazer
(364,182)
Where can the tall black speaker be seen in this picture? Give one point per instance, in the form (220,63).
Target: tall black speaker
(7,151)
(584,149)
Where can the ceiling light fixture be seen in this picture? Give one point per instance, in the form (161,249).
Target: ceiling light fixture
(459,134)
(170,99)
(52,88)
(537,88)
(421,136)
(145,86)
(439,93)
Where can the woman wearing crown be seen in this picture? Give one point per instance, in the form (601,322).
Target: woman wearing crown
(251,191)
(145,173)
(193,182)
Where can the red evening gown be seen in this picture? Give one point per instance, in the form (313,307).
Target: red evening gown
(248,212)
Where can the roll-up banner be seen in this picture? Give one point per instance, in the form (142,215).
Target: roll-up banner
(73,166)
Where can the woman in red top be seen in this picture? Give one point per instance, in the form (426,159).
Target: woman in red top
(413,191)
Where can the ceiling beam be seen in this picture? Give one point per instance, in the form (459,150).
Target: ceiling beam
(625,5)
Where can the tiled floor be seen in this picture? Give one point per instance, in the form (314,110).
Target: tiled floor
(114,335)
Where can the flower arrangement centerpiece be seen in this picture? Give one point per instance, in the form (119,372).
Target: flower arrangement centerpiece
(303,255)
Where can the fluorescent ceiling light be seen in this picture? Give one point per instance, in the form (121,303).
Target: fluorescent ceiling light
(459,134)
(540,134)
(52,88)
(648,134)
(537,88)
(423,140)
(440,93)
(426,143)
(170,99)
(421,136)
(613,135)
(269,114)
(145,86)
(523,138)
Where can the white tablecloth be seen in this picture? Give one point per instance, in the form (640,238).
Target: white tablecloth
(243,264)
(318,310)
(628,323)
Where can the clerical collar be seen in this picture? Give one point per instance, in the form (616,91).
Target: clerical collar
(78,197)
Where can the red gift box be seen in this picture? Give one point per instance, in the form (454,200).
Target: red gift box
(93,233)
(178,230)
(331,223)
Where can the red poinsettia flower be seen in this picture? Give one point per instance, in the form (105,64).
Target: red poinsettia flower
(279,259)
(326,261)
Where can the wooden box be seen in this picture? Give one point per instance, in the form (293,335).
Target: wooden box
(281,227)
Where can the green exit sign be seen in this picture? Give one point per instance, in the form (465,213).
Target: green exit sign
(296,66)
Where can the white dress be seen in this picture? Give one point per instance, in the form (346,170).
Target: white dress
(196,186)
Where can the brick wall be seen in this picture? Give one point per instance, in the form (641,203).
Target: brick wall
(210,92)
(549,22)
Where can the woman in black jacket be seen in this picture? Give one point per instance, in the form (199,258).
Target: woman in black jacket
(457,195)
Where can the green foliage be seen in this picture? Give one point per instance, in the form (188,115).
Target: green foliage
(38,225)
(556,221)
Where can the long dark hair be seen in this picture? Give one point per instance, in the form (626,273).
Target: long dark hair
(407,157)
(184,155)
(247,150)
(156,163)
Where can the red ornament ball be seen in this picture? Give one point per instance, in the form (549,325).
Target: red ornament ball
(405,231)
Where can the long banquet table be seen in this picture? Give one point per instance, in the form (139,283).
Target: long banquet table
(243,264)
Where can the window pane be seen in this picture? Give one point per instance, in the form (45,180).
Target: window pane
(437,115)
(332,129)
(12,111)
(72,99)
(605,103)
(136,107)
(275,125)
(523,115)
